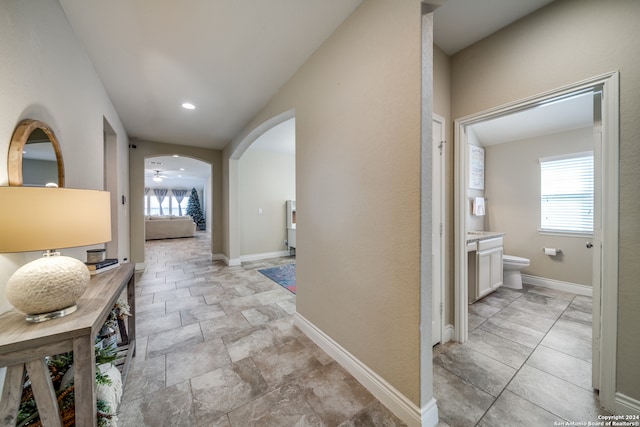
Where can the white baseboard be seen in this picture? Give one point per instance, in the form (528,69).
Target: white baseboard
(230,262)
(574,288)
(389,396)
(429,414)
(449,333)
(626,405)
(264,255)
(217,257)
(234,262)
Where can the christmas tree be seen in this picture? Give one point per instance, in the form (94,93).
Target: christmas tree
(193,210)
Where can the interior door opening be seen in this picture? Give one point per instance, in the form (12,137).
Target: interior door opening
(110,148)
(437,230)
(603,93)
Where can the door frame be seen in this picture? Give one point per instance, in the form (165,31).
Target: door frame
(438,211)
(605,296)
(111,184)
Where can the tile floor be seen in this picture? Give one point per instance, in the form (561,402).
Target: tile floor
(527,362)
(217,347)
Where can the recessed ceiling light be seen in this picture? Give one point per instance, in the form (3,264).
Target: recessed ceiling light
(188,106)
(181,169)
(175,155)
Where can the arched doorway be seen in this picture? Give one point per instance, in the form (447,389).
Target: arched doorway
(234,189)
(169,182)
(267,181)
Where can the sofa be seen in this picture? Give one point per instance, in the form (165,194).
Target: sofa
(168,227)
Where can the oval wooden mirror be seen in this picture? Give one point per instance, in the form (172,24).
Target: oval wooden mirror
(35,158)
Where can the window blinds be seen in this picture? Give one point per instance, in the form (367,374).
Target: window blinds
(567,193)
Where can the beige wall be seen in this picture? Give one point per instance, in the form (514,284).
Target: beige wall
(146,149)
(565,42)
(357,110)
(46,75)
(512,189)
(267,179)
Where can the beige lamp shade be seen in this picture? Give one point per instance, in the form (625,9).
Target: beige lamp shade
(38,218)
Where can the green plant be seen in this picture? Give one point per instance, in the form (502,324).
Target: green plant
(58,365)
(120,310)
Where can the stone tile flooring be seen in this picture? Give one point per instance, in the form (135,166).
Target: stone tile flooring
(216,346)
(527,362)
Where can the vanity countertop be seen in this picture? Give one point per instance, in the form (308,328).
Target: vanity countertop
(476,236)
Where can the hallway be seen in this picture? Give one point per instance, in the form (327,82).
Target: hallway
(217,347)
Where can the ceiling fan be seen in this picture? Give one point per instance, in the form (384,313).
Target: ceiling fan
(157,177)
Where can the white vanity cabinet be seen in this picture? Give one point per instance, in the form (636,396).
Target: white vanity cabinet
(489,266)
(485,266)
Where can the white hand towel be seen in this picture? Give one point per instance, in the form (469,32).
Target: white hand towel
(478,206)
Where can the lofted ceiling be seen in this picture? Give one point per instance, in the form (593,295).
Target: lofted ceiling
(460,23)
(229,57)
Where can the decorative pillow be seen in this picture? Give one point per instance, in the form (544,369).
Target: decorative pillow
(110,394)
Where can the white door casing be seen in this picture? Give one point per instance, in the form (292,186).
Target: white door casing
(605,240)
(437,233)
(596,242)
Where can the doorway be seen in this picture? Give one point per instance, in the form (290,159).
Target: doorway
(233,185)
(604,91)
(266,186)
(110,152)
(169,184)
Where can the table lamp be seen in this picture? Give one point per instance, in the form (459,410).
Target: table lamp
(47,219)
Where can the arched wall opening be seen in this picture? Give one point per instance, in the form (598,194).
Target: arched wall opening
(233,256)
(140,151)
(179,175)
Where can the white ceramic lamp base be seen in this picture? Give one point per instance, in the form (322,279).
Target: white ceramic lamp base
(48,287)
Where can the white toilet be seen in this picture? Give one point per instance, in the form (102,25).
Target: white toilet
(512,266)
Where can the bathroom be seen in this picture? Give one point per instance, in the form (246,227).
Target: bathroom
(504,187)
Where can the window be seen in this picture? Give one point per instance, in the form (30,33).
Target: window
(170,204)
(154,206)
(566,187)
(179,208)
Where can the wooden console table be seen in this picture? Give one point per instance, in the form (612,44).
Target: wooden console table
(24,345)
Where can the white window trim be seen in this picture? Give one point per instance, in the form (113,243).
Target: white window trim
(557,231)
(546,232)
(566,156)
